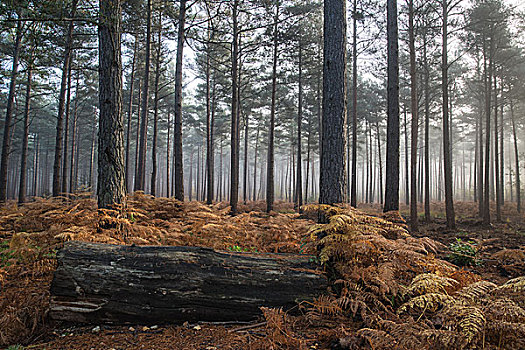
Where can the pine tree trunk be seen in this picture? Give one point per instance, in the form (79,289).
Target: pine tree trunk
(156,111)
(299,176)
(140,181)
(332,177)
(111,173)
(130,113)
(66,133)
(234,145)
(73,160)
(380,159)
(502,151)
(427,127)
(447,156)
(23,166)
(270,164)
(480,179)
(190,180)
(57,184)
(35,167)
(308,156)
(245,175)
(6,142)
(415,122)
(168,193)
(92,155)
(392,140)
(137,136)
(488,93)
(255,165)
(516,158)
(407,173)
(178,166)
(496,154)
(209,122)
(353,193)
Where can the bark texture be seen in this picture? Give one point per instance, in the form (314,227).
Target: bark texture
(332,177)
(270,176)
(392,132)
(178,173)
(111,172)
(101,283)
(415,123)
(27,106)
(57,184)
(140,180)
(6,141)
(447,154)
(234,152)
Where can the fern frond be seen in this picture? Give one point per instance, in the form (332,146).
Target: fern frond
(430,283)
(509,255)
(431,302)
(507,335)
(378,339)
(469,321)
(445,339)
(516,285)
(504,310)
(476,290)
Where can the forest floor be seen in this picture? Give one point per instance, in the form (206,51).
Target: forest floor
(31,234)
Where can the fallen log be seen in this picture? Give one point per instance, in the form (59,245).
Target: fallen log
(102,283)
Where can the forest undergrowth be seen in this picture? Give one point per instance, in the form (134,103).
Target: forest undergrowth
(389,289)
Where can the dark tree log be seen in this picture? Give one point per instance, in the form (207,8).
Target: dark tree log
(101,283)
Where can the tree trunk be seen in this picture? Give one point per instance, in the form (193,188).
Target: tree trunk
(209,121)
(380,160)
(102,283)
(153,189)
(502,150)
(178,166)
(270,165)
(245,175)
(496,154)
(137,135)
(92,154)
(6,142)
(392,139)
(111,173)
(427,127)
(130,113)
(415,122)
(140,181)
(480,165)
(353,193)
(516,157)
(168,193)
(255,165)
(66,133)
(332,177)
(407,173)
(23,166)
(73,160)
(299,176)
(447,156)
(234,145)
(35,167)
(488,93)
(57,184)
